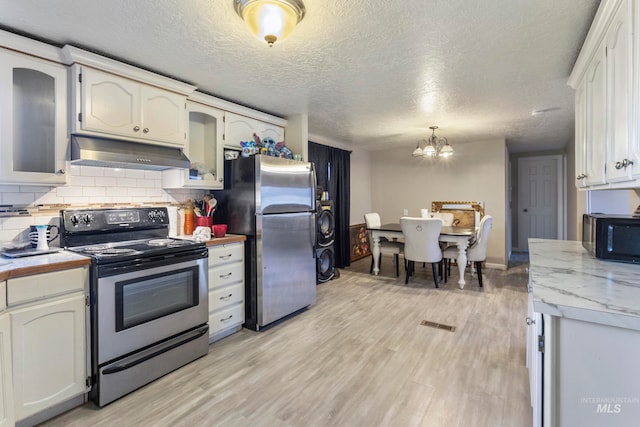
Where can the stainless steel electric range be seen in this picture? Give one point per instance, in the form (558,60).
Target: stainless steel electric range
(148,296)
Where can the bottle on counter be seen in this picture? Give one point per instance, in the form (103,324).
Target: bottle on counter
(189,221)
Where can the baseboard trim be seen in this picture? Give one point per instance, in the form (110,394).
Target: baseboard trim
(495,266)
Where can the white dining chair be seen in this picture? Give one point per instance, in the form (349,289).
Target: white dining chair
(477,250)
(421,243)
(446,217)
(387,247)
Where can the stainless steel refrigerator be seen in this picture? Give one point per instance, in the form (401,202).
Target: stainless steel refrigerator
(272,201)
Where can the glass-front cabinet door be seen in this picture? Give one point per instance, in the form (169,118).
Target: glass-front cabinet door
(33,120)
(204,150)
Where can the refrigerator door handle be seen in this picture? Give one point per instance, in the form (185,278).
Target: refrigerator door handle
(313,185)
(313,235)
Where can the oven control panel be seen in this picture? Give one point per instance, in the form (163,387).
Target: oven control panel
(87,220)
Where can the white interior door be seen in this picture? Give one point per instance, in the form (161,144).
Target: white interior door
(537,199)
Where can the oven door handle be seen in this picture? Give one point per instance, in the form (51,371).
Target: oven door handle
(163,348)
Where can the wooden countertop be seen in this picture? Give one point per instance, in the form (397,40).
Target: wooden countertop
(229,238)
(64,260)
(27,266)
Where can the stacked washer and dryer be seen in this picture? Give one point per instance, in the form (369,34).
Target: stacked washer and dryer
(325,238)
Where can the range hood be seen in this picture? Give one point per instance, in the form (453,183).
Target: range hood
(116,153)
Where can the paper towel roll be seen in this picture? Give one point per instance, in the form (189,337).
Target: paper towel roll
(173,220)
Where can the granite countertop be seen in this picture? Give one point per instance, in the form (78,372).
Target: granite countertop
(568,282)
(63,260)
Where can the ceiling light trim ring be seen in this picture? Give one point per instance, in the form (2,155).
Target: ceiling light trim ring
(269,26)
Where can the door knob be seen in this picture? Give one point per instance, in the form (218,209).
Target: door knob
(525,210)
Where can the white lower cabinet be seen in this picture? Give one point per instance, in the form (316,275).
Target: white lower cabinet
(6,377)
(49,352)
(226,289)
(43,341)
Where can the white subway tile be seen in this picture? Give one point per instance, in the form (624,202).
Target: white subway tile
(9,188)
(83,181)
(146,183)
(18,199)
(118,173)
(50,198)
(34,189)
(153,175)
(137,191)
(74,170)
(93,191)
(106,181)
(134,173)
(126,182)
(69,191)
(100,199)
(116,191)
(10,235)
(17,222)
(76,200)
(91,171)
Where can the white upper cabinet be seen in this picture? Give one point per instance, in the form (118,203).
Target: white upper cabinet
(241,128)
(34,144)
(596,119)
(117,99)
(581,137)
(124,107)
(204,150)
(619,96)
(606,127)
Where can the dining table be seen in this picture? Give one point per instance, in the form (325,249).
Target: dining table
(449,234)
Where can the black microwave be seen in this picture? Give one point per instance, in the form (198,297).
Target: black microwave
(612,237)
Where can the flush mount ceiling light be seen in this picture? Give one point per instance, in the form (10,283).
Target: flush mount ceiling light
(434,146)
(270,20)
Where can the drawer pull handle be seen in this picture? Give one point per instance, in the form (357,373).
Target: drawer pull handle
(225,256)
(226,297)
(226,318)
(225,276)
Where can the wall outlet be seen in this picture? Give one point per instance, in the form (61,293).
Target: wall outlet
(405,212)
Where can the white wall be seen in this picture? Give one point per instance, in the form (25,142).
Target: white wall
(88,186)
(477,172)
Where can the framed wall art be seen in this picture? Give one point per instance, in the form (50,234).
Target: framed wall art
(359,241)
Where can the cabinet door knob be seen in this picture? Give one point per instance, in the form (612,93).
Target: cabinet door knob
(618,165)
(145,130)
(530,321)
(60,172)
(136,128)
(627,162)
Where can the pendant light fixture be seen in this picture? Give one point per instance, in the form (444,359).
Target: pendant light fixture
(434,146)
(270,20)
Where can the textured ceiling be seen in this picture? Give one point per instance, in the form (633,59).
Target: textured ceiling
(369,73)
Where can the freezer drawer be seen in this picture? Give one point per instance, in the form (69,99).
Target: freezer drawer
(286,264)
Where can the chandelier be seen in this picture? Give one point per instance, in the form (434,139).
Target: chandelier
(270,20)
(434,146)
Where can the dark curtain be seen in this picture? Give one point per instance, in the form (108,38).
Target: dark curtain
(333,171)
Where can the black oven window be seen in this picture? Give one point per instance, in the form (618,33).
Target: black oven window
(624,240)
(151,297)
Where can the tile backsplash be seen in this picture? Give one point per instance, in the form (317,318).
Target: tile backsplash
(89,185)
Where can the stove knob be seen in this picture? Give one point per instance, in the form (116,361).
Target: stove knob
(74,220)
(87,219)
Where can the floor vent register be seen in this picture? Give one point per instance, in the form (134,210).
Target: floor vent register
(438,325)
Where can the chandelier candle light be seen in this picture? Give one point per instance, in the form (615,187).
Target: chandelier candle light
(434,146)
(270,20)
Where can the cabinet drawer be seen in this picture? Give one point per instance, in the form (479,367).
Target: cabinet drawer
(22,289)
(224,319)
(226,296)
(226,275)
(223,254)
(3,295)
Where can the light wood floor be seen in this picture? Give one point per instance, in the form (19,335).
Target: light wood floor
(358,357)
